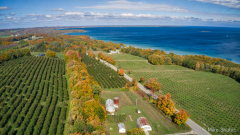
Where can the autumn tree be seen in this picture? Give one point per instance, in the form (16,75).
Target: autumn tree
(133,81)
(181,117)
(55,44)
(135,86)
(141,80)
(153,85)
(121,72)
(127,85)
(78,127)
(51,53)
(165,104)
(136,131)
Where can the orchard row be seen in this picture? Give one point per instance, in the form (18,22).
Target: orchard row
(34,96)
(104,75)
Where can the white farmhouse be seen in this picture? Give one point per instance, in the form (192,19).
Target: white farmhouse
(109,106)
(143,123)
(121,128)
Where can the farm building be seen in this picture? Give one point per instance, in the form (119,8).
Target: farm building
(143,123)
(40,54)
(116,102)
(114,51)
(109,106)
(121,128)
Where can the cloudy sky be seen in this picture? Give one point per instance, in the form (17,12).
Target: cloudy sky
(38,13)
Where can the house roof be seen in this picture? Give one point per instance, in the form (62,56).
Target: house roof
(121,125)
(109,105)
(143,121)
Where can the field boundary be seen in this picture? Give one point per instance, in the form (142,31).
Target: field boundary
(195,127)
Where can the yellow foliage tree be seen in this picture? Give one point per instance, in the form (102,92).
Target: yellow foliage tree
(165,104)
(51,53)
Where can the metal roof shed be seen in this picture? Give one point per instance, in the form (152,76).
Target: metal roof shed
(109,106)
(121,128)
(143,123)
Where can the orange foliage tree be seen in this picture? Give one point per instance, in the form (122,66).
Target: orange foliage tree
(165,104)
(73,55)
(110,60)
(121,72)
(153,85)
(181,117)
(142,79)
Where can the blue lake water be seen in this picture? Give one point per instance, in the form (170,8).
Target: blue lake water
(211,41)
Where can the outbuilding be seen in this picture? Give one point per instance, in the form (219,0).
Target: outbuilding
(143,123)
(116,102)
(114,51)
(109,106)
(121,128)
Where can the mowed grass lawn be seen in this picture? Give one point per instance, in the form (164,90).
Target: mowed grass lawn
(127,104)
(211,99)
(58,54)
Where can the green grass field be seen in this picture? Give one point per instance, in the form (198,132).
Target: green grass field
(5,36)
(211,99)
(127,104)
(58,54)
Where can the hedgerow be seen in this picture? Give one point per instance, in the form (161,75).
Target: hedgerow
(84,108)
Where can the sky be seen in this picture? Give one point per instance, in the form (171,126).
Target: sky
(40,13)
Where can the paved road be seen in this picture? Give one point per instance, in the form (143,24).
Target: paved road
(195,127)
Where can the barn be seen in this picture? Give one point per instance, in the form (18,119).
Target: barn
(143,123)
(109,106)
(121,128)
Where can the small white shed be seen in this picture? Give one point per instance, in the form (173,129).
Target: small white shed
(143,123)
(121,128)
(109,106)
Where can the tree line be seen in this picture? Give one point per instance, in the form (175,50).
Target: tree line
(196,62)
(86,113)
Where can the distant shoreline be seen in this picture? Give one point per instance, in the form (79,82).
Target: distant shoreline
(166,48)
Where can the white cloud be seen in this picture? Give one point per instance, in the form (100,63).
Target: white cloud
(73,13)
(127,15)
(94,17)
(227,3)
(4,8)
(145,15)
(127,5)
(58,9)
(12,14)
(33,15)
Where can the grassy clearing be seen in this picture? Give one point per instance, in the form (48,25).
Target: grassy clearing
(211,99)
(58,54)
(5,36)
(127,100)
